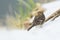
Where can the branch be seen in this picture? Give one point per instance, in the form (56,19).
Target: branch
(53,16)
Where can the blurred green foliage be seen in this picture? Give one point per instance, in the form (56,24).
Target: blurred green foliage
(24,8)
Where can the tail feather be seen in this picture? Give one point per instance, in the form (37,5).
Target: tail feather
(30,27)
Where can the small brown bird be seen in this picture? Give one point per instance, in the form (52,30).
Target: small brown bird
(39,17)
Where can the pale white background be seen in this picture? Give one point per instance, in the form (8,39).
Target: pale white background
(50,30)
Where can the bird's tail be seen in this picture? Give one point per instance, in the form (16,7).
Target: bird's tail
(30,27)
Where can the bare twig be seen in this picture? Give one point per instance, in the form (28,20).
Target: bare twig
(54,15)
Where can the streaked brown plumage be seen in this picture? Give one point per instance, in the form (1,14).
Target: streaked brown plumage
(38,20)
(38,16)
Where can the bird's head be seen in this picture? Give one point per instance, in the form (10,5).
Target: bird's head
(38,10)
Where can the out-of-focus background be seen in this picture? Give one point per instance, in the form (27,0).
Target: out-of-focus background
(49,31)
(8,8)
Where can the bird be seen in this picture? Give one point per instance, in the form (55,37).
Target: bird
(39,17)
